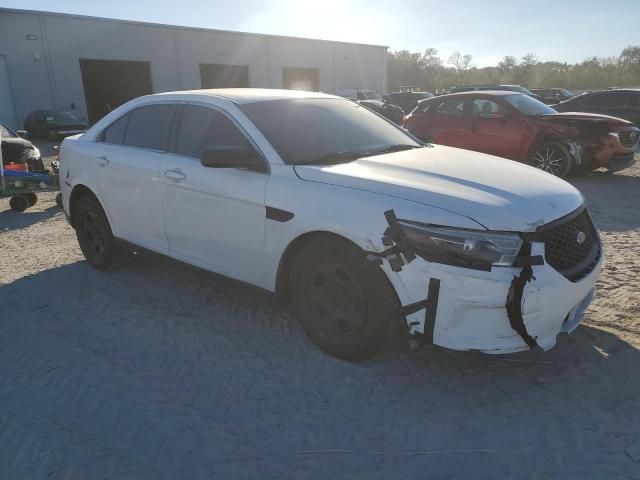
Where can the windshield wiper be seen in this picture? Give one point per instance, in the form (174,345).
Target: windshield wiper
(399,147)
(346,156)
(332,158)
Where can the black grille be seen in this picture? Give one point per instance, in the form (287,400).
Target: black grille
(629,139)
(565,252)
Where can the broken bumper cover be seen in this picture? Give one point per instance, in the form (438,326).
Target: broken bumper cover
(471,312)
(620,162)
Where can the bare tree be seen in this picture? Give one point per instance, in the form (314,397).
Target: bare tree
(528,60)
(508,63)
(461,63)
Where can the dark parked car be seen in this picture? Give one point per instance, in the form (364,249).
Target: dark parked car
(407,101)
(622,103)
(551,96)
(494,88)
(19,153)
(54,124)
(392,112)
(518,127)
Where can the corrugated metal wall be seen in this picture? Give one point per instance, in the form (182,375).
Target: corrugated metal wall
(43,52)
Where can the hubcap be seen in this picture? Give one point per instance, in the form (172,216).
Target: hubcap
(550,159)
(336,299)
(94,235)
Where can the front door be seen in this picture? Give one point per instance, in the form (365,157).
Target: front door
(214,217)
(494,129)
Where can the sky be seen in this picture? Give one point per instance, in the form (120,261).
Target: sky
(562,30)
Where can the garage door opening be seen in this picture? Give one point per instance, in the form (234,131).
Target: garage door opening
(224,76)
(301,78)
(110,83)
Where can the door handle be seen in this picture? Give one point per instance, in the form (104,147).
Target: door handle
(175,175)
(103,160)
(474,129)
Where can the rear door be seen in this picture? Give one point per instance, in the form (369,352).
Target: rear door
(442,121)
(128,158)
(214,217)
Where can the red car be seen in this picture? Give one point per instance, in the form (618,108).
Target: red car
(521,128)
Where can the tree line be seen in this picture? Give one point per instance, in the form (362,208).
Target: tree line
(434,74)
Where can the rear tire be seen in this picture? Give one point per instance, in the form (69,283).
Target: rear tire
(19,203)
(551,157)
(94,233)
(344,301)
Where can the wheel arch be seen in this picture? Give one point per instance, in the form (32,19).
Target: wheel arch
(294,247)
(545,137)
(77,192)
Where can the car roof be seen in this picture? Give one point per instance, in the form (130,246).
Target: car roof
(475,93)
(633,90)
(248,95)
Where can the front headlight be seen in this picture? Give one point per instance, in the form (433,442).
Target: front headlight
(35,152)
(462,248)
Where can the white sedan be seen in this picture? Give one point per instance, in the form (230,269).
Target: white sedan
(354,220)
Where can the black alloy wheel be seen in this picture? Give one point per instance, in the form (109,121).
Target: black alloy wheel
(337,301)
(551,157)
(345,302)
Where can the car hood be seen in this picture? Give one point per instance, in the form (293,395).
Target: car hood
(497,193)
(584,118)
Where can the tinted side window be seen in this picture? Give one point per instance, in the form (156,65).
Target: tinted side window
(620,99)
(486,108)
(149,127)
(203,129)
(451,107)
(114,133)
(599,100)
(634,100)
(428,107)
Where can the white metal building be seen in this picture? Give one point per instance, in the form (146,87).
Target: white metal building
(92,65)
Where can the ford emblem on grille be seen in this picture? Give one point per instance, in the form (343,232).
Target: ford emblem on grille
(580,237)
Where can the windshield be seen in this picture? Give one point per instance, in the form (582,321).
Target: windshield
(529,106)
(321,131)
(60,115)
(518,88)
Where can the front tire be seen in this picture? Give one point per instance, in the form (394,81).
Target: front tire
(344,301)
(94,233)
(551,157)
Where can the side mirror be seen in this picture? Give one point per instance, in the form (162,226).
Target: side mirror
(22,133)
(242,158)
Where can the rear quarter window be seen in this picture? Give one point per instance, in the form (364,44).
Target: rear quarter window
(114,133)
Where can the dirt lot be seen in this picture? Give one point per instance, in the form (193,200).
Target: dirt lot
(159,370)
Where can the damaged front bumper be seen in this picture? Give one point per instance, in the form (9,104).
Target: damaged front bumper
(465,309)
(620,162)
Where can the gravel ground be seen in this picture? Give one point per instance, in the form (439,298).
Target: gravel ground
(160,370)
